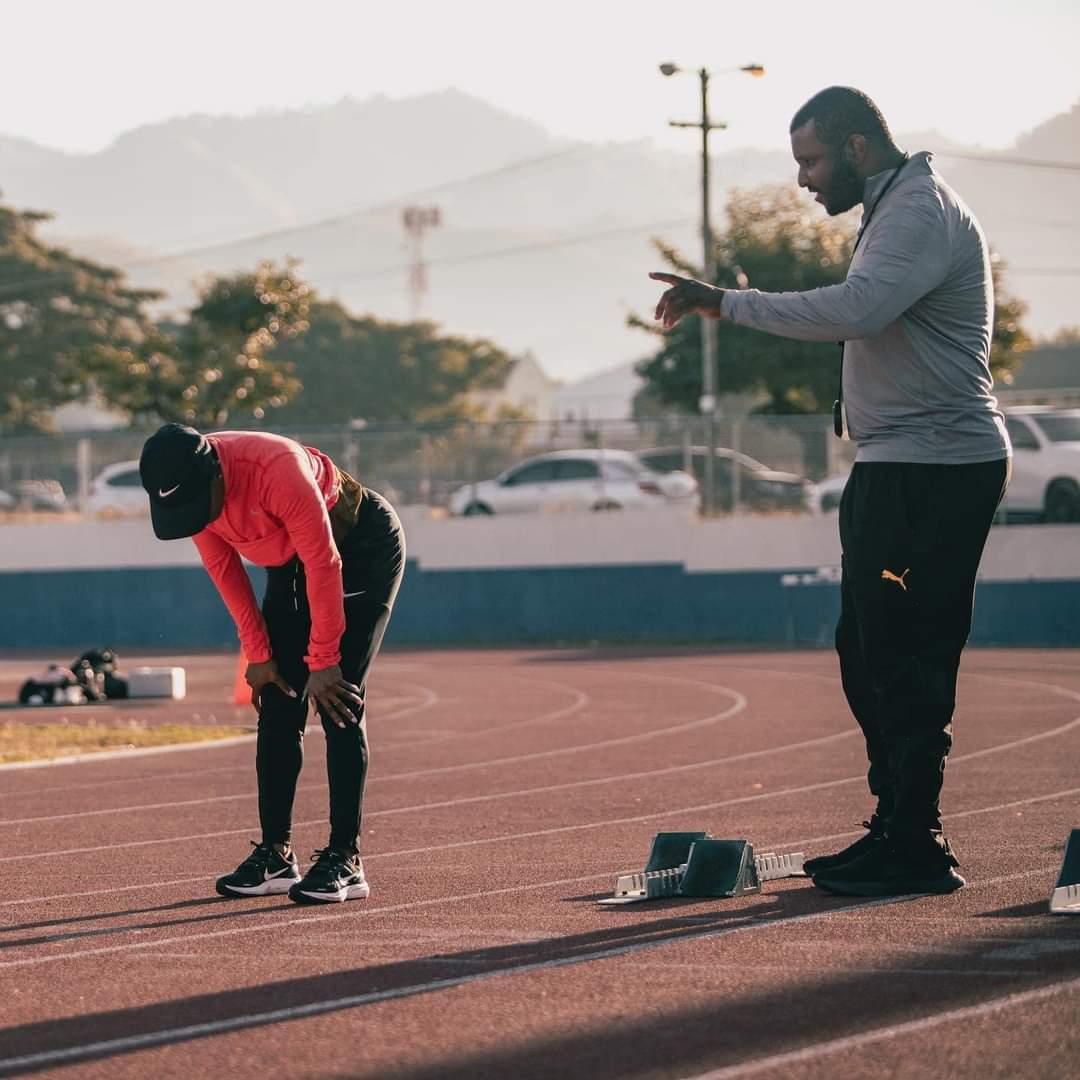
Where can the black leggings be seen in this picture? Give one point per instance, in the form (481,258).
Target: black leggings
(373,561)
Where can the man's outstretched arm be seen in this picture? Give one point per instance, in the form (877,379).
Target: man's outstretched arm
(907,258)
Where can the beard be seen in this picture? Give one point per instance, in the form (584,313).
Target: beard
(845,188)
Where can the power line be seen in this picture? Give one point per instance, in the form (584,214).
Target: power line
(522,249)
(1045,271)
(376,208)
(1022,162)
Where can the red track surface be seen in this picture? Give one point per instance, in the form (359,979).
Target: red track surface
(507,790)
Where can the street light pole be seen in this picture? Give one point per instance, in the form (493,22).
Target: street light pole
(707,401)
(707,405)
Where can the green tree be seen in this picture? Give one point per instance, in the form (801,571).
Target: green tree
(216,367)
(1010,341)
(359,367)
(774,242)
(67,324)
(71,329)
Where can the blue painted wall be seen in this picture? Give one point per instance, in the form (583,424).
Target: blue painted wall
(177,607)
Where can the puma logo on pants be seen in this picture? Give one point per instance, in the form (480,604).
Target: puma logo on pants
(888,575)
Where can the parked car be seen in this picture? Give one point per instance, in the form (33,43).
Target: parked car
(577,480)
(1045,482)
(117,491)
(760,488)
(828,492)
(7,502)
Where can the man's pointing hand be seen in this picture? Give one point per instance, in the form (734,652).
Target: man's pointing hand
(686,297)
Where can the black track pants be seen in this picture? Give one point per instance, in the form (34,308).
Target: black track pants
(373,561)
(912,536)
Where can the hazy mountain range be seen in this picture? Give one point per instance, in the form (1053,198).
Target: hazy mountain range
(544,243)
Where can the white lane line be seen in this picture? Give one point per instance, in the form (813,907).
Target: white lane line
(561,829)
(668,770)
(1052,733)
(311,917)
(205,877)
(738,705)
(218,1027)
(415,904)
(777,1063)
(380,719)
(581,700)
(429,698)
(815,969)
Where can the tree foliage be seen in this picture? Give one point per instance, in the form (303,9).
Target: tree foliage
(360,367)
(1010,341)
(65,324)
(774,242)
(72,330)
(217,367)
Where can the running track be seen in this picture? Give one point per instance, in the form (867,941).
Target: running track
(507,790)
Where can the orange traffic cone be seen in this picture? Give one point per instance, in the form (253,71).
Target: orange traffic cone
(241,690)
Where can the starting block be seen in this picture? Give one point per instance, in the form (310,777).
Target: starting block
(1065,899)
(693,864)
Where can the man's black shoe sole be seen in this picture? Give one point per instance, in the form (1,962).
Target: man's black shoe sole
(939,885)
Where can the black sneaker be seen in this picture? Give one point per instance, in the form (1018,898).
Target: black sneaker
(850,853)
(888,870)
(262,873)
(332,878)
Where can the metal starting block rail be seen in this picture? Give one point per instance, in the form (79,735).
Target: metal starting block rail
(696,865)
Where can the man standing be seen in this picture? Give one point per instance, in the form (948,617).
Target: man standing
(335,553)
(914,317)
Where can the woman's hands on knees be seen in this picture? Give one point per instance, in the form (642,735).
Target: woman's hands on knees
(333,692)
(260,676)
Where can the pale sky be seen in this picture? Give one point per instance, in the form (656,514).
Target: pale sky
(76,74)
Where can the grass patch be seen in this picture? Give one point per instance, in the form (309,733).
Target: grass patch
(42,742)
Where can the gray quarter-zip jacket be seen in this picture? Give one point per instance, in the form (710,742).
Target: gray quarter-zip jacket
(915,314)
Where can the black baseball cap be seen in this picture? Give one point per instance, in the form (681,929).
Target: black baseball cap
(177,467)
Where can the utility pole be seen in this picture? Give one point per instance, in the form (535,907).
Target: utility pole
(707,401)
(417,220)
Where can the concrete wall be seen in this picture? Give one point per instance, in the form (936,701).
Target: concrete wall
(543,579)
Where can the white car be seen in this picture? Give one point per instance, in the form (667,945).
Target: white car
(117,491)
(1045,483)
(828,492)
(577,480)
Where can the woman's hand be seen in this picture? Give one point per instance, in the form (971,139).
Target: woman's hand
(259,676)
(329,689)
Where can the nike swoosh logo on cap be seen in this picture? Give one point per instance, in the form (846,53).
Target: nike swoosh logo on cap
(162,493)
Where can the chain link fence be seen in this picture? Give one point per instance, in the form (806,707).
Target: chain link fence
(70,476)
